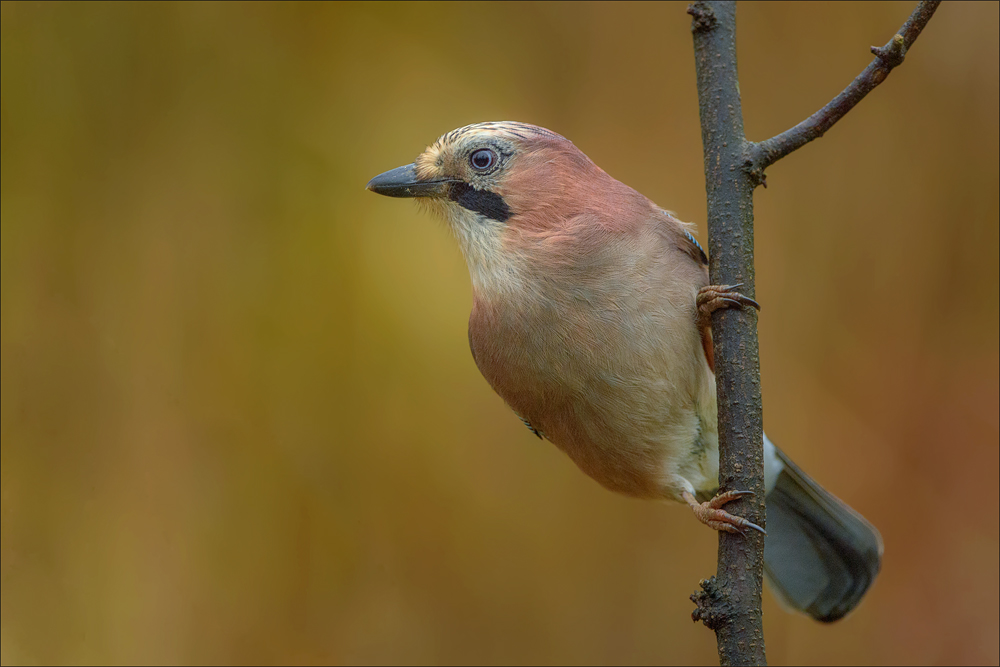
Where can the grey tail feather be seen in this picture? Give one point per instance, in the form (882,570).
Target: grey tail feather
(820,555)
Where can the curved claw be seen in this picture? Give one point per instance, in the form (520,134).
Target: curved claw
(713,297)
(712,515)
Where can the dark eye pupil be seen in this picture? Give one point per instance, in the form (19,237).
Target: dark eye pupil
(482,159)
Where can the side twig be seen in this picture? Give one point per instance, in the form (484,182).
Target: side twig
(766,153)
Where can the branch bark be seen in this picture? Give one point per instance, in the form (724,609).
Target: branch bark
(730,602)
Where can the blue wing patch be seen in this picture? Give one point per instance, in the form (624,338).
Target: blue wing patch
(694,241)
(531,428)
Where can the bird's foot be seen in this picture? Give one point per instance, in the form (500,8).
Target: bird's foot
(713,297)
(712,515)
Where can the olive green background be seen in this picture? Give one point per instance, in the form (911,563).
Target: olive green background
(240,421)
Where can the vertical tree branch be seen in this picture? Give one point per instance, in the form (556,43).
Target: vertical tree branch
(731,602)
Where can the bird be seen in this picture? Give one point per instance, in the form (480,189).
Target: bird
(591,319)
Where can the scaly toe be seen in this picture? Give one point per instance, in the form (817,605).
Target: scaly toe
(721,499)
(712,515)
(732,523)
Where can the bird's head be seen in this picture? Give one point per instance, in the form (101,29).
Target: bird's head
(503,186)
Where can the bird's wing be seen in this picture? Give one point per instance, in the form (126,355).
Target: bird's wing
(690,246)
(684,241)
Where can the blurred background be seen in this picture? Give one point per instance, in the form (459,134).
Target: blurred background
(240,420)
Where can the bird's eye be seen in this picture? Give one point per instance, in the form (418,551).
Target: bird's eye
(483,159)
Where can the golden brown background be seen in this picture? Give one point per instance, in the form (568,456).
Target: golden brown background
(240,421)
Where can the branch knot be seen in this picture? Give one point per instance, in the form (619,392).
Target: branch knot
(892,54)
(712,607)
(703,18)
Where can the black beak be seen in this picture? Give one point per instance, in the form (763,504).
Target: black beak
(403,182)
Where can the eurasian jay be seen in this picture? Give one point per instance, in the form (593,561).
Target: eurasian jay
(591,319)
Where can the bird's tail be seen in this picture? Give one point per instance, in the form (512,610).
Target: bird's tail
(820,556)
